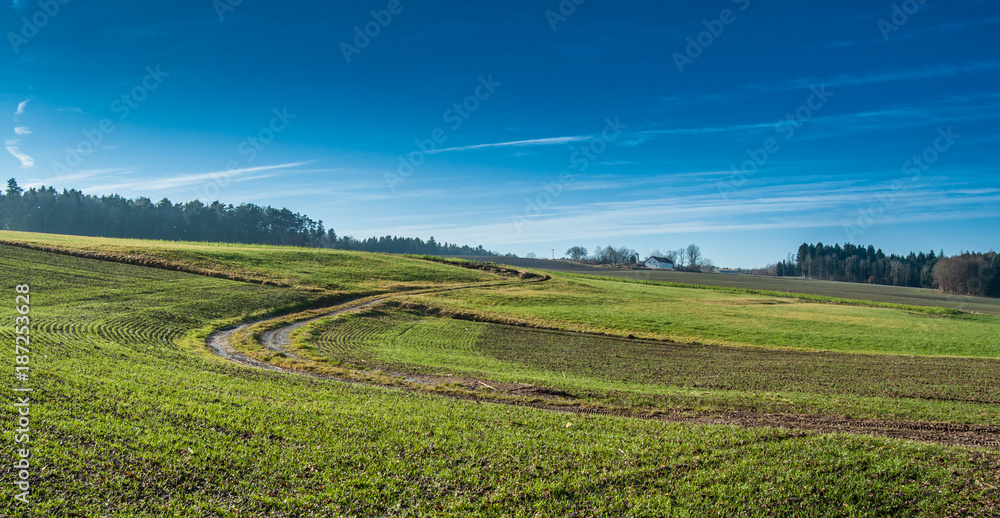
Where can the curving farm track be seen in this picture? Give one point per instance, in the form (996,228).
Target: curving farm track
(526,395)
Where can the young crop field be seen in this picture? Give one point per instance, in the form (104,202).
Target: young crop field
(663,376)
(132,415)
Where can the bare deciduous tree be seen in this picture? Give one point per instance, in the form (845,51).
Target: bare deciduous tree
(693,254)
(577,253)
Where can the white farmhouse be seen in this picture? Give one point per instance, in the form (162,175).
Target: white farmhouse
(659,262)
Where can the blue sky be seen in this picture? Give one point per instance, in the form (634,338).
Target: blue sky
(744,126)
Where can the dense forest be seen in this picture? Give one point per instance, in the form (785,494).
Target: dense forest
(74,213)
(965,274)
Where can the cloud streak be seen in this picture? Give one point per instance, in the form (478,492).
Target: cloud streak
(78,175)
(13,145)
(25,159)
(756,90)
(976,107)
(919,33)
(185,180)
(811,204)
(552,141)
(928,72)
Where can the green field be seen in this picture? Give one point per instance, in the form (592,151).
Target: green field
(132,415)
(653,375)
(849,290)
(718,317)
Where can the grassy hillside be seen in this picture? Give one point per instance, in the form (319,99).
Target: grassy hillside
(131,416)
(341,272)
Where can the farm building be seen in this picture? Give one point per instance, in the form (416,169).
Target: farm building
(659,262)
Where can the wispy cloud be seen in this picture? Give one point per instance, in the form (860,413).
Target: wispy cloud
(184,180)
(828,204)
(15,151)
(758,90)
(517,143)
(967,107)
(734,128)
(685,99)
(13,145)
(83,149)
(966,24)
(825,201)
(927,72)
(910,34)
(76,175)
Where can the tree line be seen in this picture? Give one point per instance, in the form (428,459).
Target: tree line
(969,274)
(965,274)
(407,245)
(72,212)
(603,255)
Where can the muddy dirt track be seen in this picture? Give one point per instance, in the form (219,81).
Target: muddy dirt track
(537,397)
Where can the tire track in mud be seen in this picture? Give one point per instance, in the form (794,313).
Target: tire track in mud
(279,340)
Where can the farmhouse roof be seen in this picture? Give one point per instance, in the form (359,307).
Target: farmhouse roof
(661,259)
